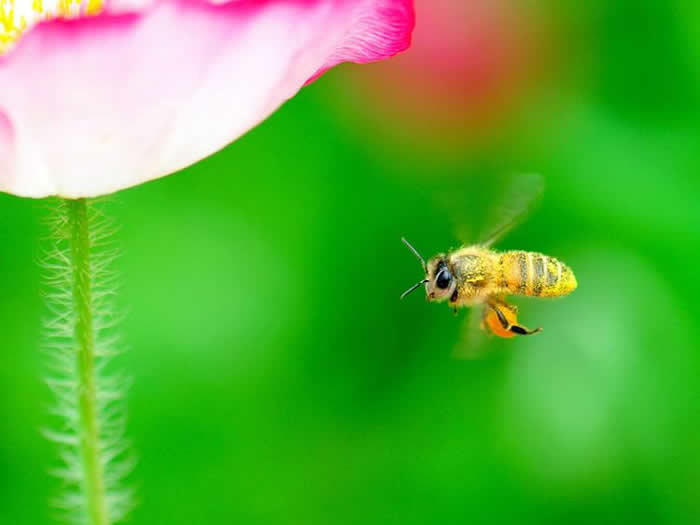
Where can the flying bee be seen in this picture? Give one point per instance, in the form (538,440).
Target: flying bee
(475,275)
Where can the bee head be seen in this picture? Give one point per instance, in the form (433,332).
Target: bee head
(439,281)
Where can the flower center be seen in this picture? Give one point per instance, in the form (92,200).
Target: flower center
(16,16)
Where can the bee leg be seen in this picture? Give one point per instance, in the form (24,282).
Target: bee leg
(453,302)
(515,328)
(501,318)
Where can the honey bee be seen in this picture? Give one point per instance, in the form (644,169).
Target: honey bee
(475,275)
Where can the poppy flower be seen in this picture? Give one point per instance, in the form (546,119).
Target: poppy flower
(95,104)
(471,65)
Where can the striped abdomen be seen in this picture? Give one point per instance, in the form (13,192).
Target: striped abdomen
(529,273)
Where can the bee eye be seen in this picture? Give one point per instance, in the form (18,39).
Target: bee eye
(443,279)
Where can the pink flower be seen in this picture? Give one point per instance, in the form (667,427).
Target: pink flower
(470,66)
(97,104)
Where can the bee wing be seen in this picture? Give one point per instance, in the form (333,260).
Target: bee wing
(451,199)
(487,204)
(521,194)
(472,339)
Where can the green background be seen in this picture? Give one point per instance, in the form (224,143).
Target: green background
(278,378)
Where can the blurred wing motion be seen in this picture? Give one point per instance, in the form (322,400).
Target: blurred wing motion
(471,339)
(453,198)
(521,193)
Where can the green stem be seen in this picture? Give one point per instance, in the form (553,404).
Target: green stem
(94,485)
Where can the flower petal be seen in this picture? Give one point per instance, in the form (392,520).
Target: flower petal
(95,105)
(6,143)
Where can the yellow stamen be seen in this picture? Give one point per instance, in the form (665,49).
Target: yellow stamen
(16,16)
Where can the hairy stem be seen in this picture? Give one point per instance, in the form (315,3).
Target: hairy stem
(89,435)
(89,415)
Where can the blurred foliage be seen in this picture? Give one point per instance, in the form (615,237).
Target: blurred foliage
(278,379)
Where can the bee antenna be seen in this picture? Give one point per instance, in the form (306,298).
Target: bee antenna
(415,252)
(413,288)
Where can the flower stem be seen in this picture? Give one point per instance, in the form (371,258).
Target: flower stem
(89,438)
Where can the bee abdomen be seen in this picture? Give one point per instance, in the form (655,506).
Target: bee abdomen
(535,274)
